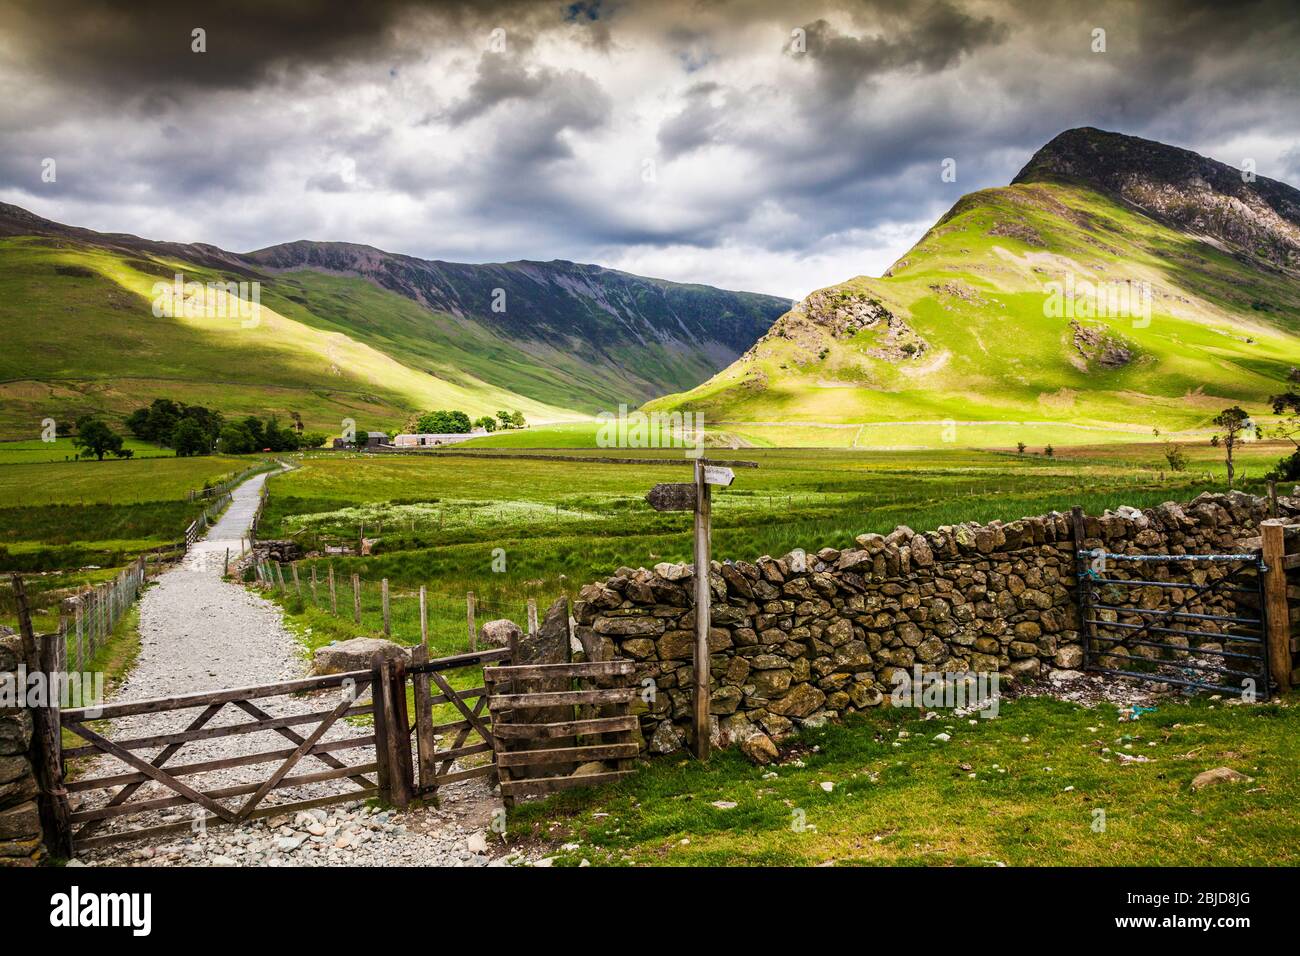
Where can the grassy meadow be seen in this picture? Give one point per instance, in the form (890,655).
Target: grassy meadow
(517,524)
(1042,783)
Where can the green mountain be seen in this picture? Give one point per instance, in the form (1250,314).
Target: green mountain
(1118,285)
(344,331)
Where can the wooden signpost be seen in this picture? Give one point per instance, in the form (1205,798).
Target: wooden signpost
(684,496)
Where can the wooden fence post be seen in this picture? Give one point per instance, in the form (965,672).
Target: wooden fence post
(383,593)
(1279,624)
(471,622)
(279,575)
(315,601)
(334,598)
(532,617)
(297,585)
(703,616)
(80,621)
(356,598)
(424,620)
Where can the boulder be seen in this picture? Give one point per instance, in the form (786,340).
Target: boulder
(759,748)
(1212,778)
(666,738)
(800,702)
(498,633)
(354,655)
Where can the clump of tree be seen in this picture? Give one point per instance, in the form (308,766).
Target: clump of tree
(189,429)
(1049,451)
(513,419)
(487,423)
(1175,456)
(443,422)
(252,434)
(1020,448)
(1233,423)
(96,438)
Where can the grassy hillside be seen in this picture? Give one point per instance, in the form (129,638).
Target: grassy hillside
(956,331)
(344,332)
(82,336)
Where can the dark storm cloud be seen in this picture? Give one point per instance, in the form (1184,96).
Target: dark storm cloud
(137,45)
(396,123)
(926,39)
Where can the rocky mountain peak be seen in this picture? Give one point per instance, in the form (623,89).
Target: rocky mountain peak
(1259,217)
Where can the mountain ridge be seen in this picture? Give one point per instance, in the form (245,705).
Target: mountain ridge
(962,327)
(570,339)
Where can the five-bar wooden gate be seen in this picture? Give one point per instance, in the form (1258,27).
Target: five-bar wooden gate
(494,731)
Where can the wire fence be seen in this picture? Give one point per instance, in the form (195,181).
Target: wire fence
(408,615)
(89,618)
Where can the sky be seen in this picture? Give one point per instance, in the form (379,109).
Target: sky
(765,146)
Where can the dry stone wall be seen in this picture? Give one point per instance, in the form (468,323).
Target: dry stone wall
(20,822)
(804,638)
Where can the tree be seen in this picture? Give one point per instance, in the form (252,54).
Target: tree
(504,418)
(1020,447)
(1176,457)
(1233,422)
(487,423)
(312,439)
(517,419)
(1049,451)
(236,440)
(96,438)
(253,425)
(189,438)
(443,422)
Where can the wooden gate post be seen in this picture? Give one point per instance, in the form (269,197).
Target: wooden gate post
(426,746)
(392,730)
(1278,614)
(47,655)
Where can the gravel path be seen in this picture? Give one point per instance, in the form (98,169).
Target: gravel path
(201,633)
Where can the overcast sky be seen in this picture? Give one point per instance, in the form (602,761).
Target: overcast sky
(768,146)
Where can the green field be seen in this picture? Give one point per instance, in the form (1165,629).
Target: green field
(1022,789)
(66,524)
(449,521)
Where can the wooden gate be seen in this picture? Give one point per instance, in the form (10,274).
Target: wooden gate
(470,733)
(587,720)
(559,729)
(333,698)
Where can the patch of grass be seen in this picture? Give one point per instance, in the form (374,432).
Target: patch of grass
(1022,789)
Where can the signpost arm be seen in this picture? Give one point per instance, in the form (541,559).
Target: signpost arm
(702,611)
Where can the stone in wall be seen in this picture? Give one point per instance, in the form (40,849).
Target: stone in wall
(20,822)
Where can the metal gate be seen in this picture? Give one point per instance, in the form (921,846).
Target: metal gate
(1195,620)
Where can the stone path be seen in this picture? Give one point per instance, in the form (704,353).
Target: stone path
(199,633)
